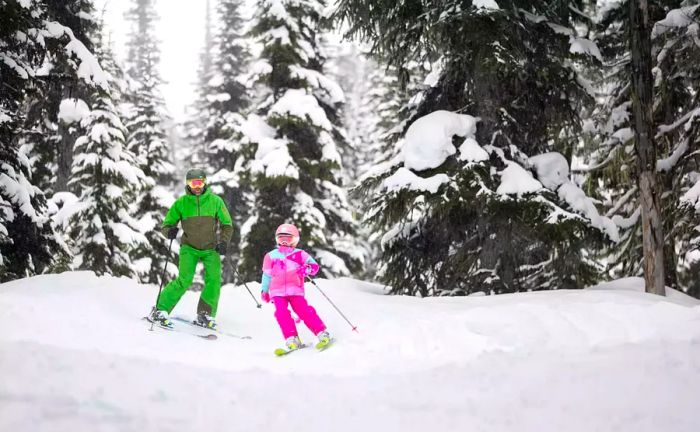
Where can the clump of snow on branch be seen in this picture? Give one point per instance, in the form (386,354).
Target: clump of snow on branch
(404,178)
(584,46)
(333,94)
(428,141)
(516,180)
(692,196)
(298,103)
(682,17)
(471,151)
(72,110)
(553,173)
(89,68)
(485,4)
(272,157)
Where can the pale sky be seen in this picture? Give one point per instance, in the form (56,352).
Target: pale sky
(180,31)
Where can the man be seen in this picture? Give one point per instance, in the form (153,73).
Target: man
(198,211)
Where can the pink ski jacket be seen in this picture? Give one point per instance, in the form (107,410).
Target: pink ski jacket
(284,269)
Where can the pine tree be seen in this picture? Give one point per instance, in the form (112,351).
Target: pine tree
(227,102)
(612,161)
(106,180)
(28,243)
(147,141)
(60,97)
(514,68)
(376,109)
(295,167)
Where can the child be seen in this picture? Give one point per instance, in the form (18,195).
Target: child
(284,269)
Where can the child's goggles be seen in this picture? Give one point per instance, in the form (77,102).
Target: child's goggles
(285,239)
(196,183)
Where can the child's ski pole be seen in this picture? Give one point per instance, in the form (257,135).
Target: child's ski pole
(354,328)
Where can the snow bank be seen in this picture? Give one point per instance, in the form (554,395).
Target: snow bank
(636,284)
(595,359)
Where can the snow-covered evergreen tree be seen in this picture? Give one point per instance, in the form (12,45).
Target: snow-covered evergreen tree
(148,141)
(227,101)
(375,101)
(106,180)
(28,243)
(60,97)
(294,164)
(611,163)
(490,216)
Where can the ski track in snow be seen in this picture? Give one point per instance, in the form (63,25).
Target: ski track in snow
(75,356)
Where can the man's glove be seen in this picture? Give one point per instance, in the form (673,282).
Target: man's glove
(265,296)
(221,248)
(172,233)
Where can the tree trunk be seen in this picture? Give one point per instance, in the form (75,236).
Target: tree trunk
(652,235)
(64,150)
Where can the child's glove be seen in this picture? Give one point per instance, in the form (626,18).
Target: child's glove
(308,269)
(265,296)
(304,271)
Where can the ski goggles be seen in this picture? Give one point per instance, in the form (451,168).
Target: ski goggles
(286,240)
(196,183)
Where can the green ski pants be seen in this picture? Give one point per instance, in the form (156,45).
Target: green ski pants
(209,299)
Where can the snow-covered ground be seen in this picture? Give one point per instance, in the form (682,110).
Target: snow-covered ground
(75,356)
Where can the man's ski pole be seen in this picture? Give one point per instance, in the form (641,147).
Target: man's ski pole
(354,328)
(162,277)
(246,287)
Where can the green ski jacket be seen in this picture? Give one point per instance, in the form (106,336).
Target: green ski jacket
(199,215)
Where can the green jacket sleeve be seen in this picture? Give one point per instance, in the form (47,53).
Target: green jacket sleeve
(171,219)
(226,223)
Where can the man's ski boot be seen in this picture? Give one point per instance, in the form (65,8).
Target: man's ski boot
(324,339)
(160,317)
(205,320)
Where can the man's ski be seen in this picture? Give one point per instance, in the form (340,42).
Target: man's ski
(195,324)
(279,352)
(209,336)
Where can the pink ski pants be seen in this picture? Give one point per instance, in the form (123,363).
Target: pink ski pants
(301,308)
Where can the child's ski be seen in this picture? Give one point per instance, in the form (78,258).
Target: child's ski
(279,352)
(323,345)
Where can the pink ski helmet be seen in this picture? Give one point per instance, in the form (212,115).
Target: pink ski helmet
(287,235)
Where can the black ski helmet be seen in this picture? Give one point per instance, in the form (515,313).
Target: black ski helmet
(195,173)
